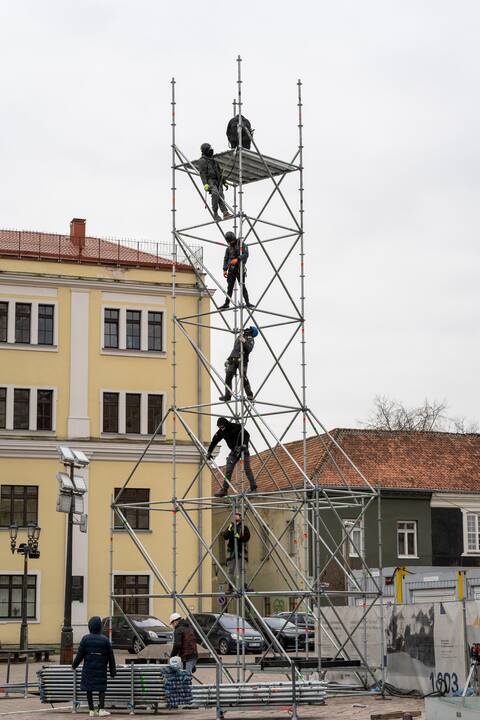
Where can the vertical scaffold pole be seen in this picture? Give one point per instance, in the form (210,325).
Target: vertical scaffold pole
(174,359)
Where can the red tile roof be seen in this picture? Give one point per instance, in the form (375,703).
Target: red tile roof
(61,248)
(436,461)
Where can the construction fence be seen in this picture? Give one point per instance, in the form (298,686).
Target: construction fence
(425,645)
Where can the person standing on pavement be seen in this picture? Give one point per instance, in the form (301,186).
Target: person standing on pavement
(212,179)
(184,642)
(237,536)
(234,262)
(243,345)
(238,445)
(96,652)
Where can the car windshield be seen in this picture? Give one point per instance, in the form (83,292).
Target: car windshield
(149,622)
(233,622)
(279,623)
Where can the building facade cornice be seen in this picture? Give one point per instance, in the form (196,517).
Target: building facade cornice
(97,451)
(127,286)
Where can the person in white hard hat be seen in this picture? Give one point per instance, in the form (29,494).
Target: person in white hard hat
(184,642)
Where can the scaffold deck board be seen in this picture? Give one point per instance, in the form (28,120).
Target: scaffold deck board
(254,166)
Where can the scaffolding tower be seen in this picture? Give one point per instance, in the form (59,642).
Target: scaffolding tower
(275,236)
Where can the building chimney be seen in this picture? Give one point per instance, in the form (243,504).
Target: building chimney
(77,232)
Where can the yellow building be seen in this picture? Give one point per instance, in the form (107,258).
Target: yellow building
(85,360)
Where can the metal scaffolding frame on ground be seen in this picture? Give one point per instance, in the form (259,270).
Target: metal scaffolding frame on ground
(279,243)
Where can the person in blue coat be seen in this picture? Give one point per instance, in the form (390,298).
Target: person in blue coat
(96,652)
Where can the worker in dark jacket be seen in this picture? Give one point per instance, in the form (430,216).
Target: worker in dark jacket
(237,536)
(96,652)
(184,642)
(243,345)
(212,179)
(236,256)
(232,434)
(232,132)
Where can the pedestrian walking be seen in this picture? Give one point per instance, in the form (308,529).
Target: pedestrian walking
(242,346)
(234,267)
(212,179)
(95,650)
(232,434)
(237,536)
(184,642)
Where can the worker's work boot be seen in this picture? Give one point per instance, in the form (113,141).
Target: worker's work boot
(225,398)
(221,493)
(217,217)
(253,489)
(103,713)
(227,216)
(225,306)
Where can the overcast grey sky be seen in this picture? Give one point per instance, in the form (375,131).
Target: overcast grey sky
(391,154)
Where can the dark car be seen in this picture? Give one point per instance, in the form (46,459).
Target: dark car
(300,619)
(290,636)
(149,628)
(226,631)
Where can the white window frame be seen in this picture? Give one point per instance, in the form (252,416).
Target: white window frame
(122,330)
(32,424)
(122,420)
(38,605)
(33,344)
(356,533)
(406,532)
(465,513)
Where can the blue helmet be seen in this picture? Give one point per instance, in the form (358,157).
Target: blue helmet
(253,331)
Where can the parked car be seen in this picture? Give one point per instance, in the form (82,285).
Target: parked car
(289,635)
(226,631)
(300,619)
(150,629)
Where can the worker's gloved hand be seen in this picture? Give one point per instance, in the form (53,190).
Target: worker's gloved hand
(225,185)
(209,456)
(225,273)
(234,261)
(206,187)
(230,527)
(237,535)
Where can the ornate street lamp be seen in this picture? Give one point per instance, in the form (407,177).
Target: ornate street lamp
(28,550)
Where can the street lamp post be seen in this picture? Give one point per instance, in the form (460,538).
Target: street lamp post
(28,550)
(70,501)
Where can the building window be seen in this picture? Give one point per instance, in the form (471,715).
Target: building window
(155,331)
(473,532)
(21,409)
(155,412)
(290,532)
(266,544)
(132,585)
(132,412)
(45,324)
(110,412)
(133,329)
(407,538)
(3,321)
(18,504)
(353,537)
(44,409)
(110,329)
(3,408)
(23,314)
(11,596)
(77,588)
(138,518)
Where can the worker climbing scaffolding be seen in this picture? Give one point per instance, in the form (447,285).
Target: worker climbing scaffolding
(238,361)
(213,182)
(234,268)
(237,438)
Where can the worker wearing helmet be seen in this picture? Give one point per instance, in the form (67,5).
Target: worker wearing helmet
(212,179)
(243,345)
(236,256)
(184,641)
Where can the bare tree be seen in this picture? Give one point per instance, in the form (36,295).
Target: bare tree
(388,414)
